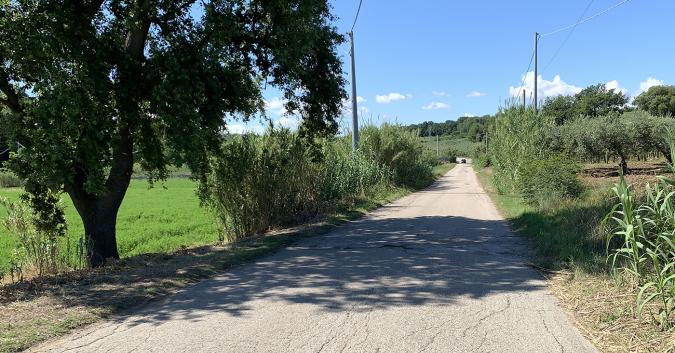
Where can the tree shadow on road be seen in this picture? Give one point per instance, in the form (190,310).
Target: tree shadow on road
(370,264)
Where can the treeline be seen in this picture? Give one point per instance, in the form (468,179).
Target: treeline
(471,127)
(598,124)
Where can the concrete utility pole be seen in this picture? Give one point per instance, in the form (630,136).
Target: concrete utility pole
(536,44)
(355,114)
(524,103)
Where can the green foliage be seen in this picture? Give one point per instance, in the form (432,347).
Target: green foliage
(622,136)
(452,154)
(9,179)
(430,128)
(657,100)
(38,246)
(597,100)
(646,251)
(544,182)
(90,88)
(560,108)
(593,101)
(262,182)
(400,151)
(162,219)
(519,137)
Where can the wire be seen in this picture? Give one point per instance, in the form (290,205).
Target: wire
(585,19)
(357,15)
(522,83)
(569,34)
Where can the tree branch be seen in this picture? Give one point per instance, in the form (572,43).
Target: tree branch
(12,101)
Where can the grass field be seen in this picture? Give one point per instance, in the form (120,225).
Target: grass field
(161,219)
(463,145)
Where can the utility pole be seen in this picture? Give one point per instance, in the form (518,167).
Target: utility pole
(536,44)
(355,114)
(524,103)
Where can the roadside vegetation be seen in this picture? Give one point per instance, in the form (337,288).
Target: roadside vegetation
(589,183)
(260,187)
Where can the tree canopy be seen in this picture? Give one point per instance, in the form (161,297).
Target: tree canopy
(657,100)
(91,87)
(593,101)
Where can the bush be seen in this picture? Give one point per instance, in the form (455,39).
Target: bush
(38,249)
(519,137)
(260,182)
(452,155)
(400,151)
(9,179)
(543,182)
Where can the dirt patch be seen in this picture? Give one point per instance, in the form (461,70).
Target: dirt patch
(637,168)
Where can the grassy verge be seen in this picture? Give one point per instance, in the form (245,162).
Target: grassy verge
(164,219)
(570,252)
(33,311)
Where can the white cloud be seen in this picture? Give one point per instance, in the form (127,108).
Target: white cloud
(468,115)
(347,106)
(614,85)
(545,88)
(244,128)
(391,97)
(436,105)
(287,122)
(440,93)
(474,94)
(649,83)
(276,106)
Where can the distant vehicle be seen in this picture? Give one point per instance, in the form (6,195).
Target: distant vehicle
(463,160)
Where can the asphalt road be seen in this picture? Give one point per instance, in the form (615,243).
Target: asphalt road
(437,271)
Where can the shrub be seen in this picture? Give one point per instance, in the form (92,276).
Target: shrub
(543,182)
(519,137)
(259,182)
(401,151)
(38,248)
(452,155)
(9,179)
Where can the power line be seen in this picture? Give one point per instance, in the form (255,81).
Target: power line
(569,34)
(522,83)
(585,19)
(357,15)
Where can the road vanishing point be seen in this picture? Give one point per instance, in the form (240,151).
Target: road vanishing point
(436,271)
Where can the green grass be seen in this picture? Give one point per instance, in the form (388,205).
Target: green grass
(462,145)
(160,219)
(75,299)
(565,236)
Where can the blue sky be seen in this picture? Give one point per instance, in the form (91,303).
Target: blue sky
(441,59)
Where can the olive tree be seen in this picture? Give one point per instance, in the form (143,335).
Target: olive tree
(91,87)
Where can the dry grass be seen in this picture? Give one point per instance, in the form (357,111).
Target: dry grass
(603,310)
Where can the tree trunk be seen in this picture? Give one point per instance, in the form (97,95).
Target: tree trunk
(624,166)
(99,211)
(99,228)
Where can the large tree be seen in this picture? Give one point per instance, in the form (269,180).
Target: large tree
(658,100)
(597,100)
(560,108)
(93,86)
